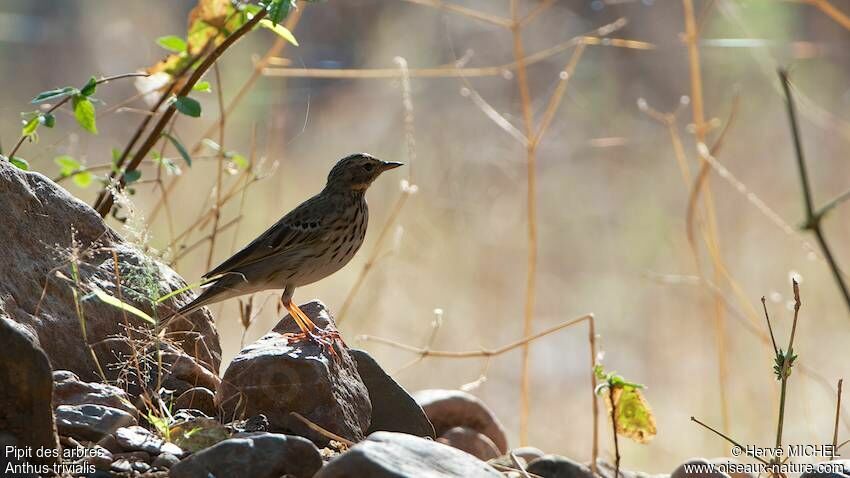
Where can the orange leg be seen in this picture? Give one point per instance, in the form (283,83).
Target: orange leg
(310,331)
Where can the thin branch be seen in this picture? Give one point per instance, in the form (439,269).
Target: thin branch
(813,220)
(318,429)
(106,204)
(64,100)
(837,416)
(467,12)
(483,352)
(730,440)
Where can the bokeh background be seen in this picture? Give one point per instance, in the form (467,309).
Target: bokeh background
(611,198)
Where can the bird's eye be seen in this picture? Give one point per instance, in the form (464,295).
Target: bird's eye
(369,167)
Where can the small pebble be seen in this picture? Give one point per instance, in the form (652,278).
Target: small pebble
(121,466)
(165,461)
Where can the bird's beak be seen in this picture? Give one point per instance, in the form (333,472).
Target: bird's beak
(390,165)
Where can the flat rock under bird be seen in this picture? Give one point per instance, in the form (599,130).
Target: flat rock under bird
(311,242)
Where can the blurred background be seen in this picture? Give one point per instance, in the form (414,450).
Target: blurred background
(612,202)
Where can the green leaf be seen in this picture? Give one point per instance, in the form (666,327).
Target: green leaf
(30,127)
(281,30)
(202,86)
(89,87)
(83,179)
(103,296)
(131,177)
(20,163)
(172,43)
(48,120)
(188,106)
(54,94)
(278,9)
(84,112)
(180,149)
(67,164)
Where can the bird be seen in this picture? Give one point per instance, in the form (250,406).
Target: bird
(311,242)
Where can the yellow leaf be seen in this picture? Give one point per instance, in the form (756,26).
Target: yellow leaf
(206,21)
(634,418)
(281,30)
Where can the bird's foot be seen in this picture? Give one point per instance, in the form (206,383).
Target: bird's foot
(326,340)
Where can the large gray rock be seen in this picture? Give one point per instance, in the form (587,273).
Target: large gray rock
(90,422)
(554,466)
(68,389)
(274,378)
(45,230)
(454,408)
(26,388)
(261,455)
(471,441)
(399,455)
(393,409)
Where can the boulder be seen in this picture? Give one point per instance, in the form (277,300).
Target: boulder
(90,422)
(68,389)
(453,408)
(26,389)
(399,455)
(196,398)
(471,441)
(554,466)
(261,455)
(55,245)
(393,409)
(273,377)
(136,438)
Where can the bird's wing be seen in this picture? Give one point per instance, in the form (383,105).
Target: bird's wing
(303,225)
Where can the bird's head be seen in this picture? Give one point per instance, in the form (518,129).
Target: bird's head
(357,171)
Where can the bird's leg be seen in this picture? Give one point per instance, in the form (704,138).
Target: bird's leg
(309,330)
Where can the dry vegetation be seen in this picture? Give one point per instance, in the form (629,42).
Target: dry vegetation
(564,157)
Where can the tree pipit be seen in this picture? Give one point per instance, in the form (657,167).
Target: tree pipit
(311,242)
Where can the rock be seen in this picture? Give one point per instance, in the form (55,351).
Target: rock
(393,409)
(399,455)
(68,389)
(831,472)
(141,466)
(554,466)
(44,229)
(165,460)
(729,461)
(273,377)
(197,398)
(132,456)
(528,453)
(121,466)
(258,423)
(136,438)
(453,408)
(26,388)
(100,458)
(90,422)
(471,441)
(262,455)
(196,433)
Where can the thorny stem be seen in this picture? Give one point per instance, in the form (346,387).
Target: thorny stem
(813,219)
